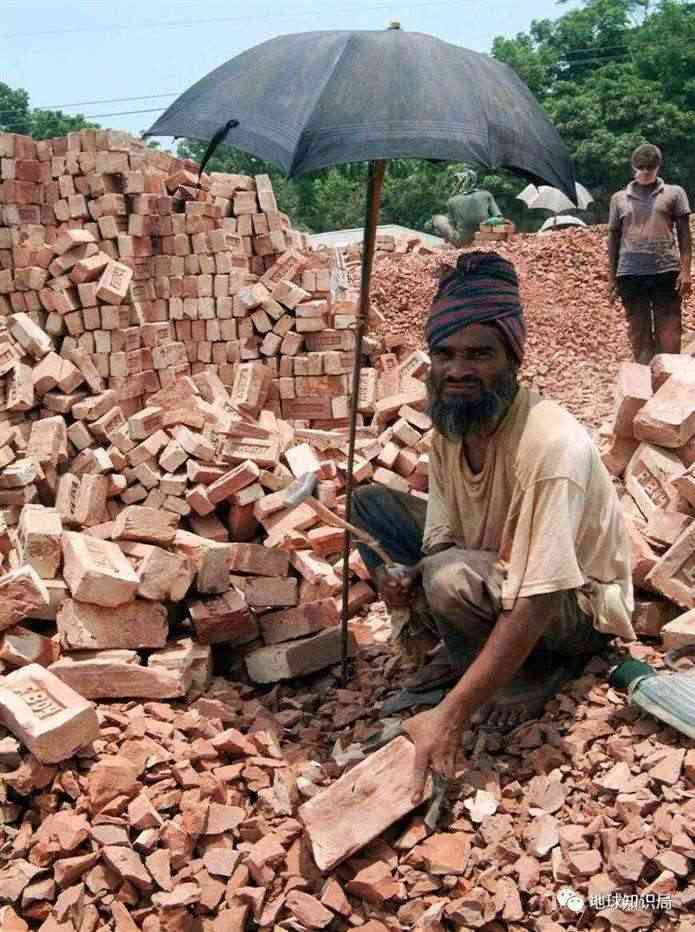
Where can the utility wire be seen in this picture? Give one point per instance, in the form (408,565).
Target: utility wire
(174,24)
(107,100)
(89,116)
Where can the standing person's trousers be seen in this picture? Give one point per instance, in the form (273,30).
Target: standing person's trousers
(462,587)
(654,315)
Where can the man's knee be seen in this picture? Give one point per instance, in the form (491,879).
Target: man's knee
(668,327)
(436,584)
(367,498)
(370,503)
(571,631)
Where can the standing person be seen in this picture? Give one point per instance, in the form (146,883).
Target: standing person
(523,554)
(649,268)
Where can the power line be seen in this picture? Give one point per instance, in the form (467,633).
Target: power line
(107,100)
(92,116)
(174,24)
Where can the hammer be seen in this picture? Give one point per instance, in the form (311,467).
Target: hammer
(301,491)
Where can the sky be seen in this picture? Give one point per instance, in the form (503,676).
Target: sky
(79,51)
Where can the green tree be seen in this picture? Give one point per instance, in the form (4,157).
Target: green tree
(612,75)
(16,116)
(665,52)
(337,201)
(14,111)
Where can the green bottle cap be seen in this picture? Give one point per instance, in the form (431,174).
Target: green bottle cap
(621,676)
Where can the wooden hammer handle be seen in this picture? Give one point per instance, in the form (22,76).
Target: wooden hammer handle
(334,521)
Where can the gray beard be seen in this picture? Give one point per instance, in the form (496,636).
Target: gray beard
(459,418)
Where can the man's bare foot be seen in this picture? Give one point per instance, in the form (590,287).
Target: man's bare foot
(523,699)
(440,671)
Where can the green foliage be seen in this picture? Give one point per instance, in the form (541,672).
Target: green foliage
(611,75)
(16,116)
(414,190)
(14,110)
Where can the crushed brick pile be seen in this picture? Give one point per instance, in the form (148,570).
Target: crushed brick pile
(173,357)
(190,817)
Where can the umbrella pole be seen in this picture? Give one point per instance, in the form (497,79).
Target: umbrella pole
(374,185)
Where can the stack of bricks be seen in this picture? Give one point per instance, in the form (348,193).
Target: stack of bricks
(495,232)
(164,377)
(650,446)
(113,248)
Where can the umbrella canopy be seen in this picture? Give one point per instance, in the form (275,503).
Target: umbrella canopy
(549,198)
(315,99)
(554,223)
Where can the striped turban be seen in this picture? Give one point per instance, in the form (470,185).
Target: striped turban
(482,289)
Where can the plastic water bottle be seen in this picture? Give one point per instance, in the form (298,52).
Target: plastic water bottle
(669,696)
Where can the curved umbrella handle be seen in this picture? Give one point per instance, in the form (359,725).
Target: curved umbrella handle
(214,143)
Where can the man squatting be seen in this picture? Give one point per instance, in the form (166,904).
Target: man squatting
(521,551)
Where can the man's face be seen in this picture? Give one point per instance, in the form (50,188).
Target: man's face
(645,173)
(472,381)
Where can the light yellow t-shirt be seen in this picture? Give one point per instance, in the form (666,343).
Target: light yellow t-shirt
(545,504)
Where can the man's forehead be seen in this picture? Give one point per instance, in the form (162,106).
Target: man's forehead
(478,336)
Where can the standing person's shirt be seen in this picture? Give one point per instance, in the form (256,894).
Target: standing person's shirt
(545,504)
(644,218)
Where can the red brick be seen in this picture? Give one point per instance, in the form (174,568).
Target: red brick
(257,560)
(96,571)
(308,618)
(234,480)
(633,388)
(343,818)
(50,718)
(135,625)
(223,620)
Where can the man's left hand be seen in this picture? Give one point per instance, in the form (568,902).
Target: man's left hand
(683,284)
(437,738)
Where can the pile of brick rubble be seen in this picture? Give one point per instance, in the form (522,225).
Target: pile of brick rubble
(172,358)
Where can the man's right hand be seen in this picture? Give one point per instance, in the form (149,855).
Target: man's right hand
(612,290)
(394,588)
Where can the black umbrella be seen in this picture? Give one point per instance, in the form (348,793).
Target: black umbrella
(315,99)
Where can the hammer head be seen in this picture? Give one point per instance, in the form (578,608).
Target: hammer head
(301,489)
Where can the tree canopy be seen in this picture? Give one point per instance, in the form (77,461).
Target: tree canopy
(16,116)
(611,74)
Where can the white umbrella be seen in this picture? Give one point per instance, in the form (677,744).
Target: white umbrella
(565,221)
(547,198)
(528,195)
(583,196)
